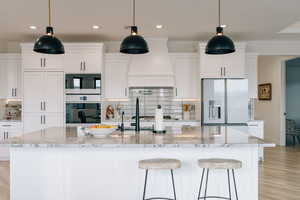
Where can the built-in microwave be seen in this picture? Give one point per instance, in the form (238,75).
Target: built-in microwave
(83,84)
(83,109)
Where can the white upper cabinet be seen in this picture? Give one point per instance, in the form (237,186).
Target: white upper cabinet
(37,61)
(83,58)
(115,76)
(187,78)
(223,66)
(251,74)
(10,76)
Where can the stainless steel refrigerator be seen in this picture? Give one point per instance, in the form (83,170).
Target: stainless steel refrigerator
(225,101)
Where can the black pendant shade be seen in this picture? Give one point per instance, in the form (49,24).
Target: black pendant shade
(49,44)
(220,44)
(134,44)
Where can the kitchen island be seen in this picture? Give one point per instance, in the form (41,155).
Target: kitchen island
(58,163)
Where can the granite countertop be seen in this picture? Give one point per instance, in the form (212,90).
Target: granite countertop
(11,120)
(206,136)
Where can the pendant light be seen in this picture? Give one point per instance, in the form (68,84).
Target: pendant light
(49,44)
(220,44)
(134,43)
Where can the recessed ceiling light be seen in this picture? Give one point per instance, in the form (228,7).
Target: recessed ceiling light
(159,26)
(96,27)
(33,27)
(223,25)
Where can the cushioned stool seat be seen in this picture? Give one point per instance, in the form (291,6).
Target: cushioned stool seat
(160,163)
(217,163)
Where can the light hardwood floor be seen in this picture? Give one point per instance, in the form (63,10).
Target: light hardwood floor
(279,175)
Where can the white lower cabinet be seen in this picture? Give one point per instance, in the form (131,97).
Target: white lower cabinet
(9,130)
(256,129)
(38,121)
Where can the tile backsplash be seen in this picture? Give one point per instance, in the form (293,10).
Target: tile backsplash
(10,109)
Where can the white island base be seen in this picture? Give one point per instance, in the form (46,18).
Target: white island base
(113,173)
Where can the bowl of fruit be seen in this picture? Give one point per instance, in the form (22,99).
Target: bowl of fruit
(101,129)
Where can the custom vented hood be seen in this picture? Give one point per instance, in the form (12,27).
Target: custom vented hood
(153,69)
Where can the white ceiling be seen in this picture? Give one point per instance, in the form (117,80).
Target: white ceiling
(182,19)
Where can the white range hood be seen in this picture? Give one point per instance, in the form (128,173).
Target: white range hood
(153,69)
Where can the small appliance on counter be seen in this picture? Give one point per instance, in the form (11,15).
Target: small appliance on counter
(159,120)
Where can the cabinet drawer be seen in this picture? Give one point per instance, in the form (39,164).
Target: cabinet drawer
(11,125)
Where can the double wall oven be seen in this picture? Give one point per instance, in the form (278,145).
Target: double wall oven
(83,99)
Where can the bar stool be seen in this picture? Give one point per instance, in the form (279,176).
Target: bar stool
(216,163)
(159,164)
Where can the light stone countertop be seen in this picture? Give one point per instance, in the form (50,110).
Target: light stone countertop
(192,137)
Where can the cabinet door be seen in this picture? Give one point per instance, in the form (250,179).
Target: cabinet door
(73,62)
(92,62)
(53,92)
(2,133)
(251,73)
(116,79)
(54,120)
(234,64)
(4,151)
(53,62)
(13,76)
(32,60)
(210,65)
(186,78)
(33,91)
(3,80)
(32,122)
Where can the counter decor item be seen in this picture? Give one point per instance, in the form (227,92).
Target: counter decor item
(100,130)
(159,120)
(110,112)
(265,92)
(186,111)
(13,110)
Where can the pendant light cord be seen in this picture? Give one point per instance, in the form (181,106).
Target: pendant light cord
(49,7)
(133,16)
(219,12)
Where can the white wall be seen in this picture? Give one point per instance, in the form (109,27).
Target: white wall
(270,71)
(293,90)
